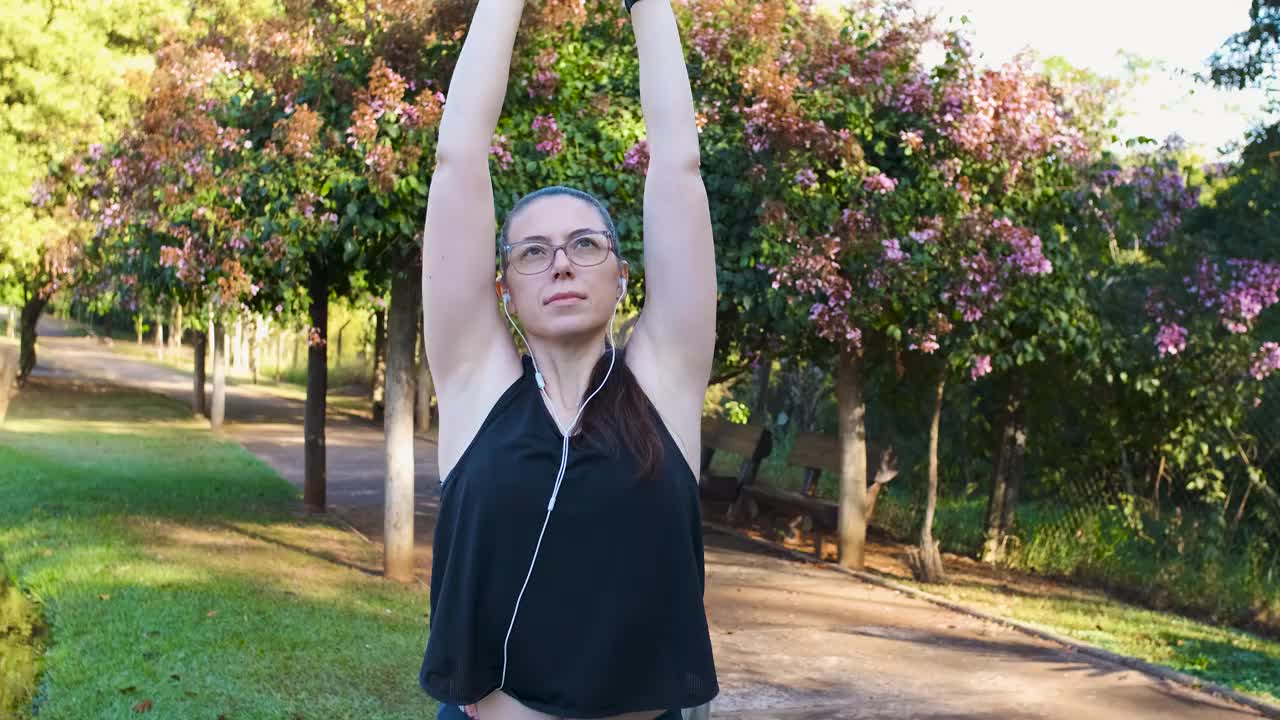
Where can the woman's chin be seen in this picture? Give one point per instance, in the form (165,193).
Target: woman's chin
(571,327)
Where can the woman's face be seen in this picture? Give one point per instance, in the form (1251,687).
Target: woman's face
(565,299)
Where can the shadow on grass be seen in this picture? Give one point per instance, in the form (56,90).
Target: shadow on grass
(286,545)
(244,631)
(176,569)
(1250,671)
(63,400)
(77,449)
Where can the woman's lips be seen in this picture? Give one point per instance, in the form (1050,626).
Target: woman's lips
(565,298)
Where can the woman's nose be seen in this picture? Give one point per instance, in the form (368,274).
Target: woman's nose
(560,262)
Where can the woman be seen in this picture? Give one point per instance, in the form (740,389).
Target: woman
(567,578)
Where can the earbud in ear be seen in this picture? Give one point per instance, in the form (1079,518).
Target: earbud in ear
(503,292)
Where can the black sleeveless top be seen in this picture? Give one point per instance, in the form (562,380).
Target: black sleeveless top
(612,619)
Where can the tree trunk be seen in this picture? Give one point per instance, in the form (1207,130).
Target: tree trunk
(1017,473)
(252,339)
(317,387)
(885,473)
(175,327)
(993,542)
(198,376)
(159,335)
(337,359)
(873,496)
(377,385)
(398,429)
(760,377)
(209,342)
(137,327)
(8,372)
(279,352)
(11,326)
(425,385)
(233,346)
(1006,477)
(245,341)
(218,407)
(27,345)
(1231,529)
(1155,491)
(925,560)
(853,462)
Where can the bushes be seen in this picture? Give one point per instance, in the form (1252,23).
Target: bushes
(21,630)
(1176,562)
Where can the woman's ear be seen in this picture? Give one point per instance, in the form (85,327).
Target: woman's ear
(504,295)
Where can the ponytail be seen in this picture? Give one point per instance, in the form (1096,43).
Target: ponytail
(621,414)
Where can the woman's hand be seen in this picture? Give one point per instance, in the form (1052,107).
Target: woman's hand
(471,711)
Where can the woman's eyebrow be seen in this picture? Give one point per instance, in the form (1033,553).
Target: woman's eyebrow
(575,233)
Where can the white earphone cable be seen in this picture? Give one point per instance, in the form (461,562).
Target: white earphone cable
(564,451)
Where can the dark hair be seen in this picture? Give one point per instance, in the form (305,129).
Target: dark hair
(550,191)
(620,414)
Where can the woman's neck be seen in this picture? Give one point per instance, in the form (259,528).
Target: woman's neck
(566,371)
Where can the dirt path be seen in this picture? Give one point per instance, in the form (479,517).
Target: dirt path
(267,425)
(792,640)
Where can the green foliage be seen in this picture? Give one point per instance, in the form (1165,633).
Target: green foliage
(127,520)
(1250,56)
(737,412)
(858,198)
(72,73)
(1173,562)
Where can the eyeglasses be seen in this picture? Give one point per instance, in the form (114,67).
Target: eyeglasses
(530,257)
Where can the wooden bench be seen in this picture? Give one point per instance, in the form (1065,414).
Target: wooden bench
(800,512)
(752,442)
(815,453)
(804,511)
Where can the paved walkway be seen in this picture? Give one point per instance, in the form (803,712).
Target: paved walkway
(267,425)
(792,640)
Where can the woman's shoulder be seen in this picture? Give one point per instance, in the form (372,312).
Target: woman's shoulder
(470,401)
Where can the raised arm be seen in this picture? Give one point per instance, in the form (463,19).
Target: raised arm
(676,329)
(462,325)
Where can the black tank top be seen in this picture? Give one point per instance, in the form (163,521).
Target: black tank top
(612,620)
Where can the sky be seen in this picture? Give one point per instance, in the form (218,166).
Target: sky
(1179,34)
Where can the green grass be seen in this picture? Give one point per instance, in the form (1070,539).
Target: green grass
(350,369)
(293,381)
(1096,549)
(173,568)
(1178,562)
(1226,656)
